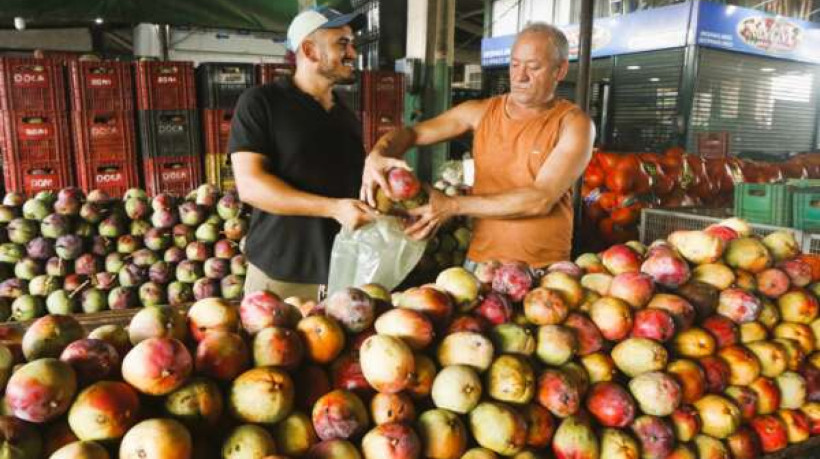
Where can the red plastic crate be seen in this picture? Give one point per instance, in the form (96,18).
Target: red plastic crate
(63,57)
(382,91)
(382,97)
(105,150)
(216,126)
(375,126)
(382,104)
(31,84)
(166,85)
(104,135)
(114,176)
(177,175)
(36,151)
(36,135)
(269,73)
(713,144)
(31,178)
(101,85)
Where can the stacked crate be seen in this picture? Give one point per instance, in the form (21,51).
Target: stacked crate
(169,127)
(102,119)
(270,73)
(219,86)
(217,129)
(35,138)
(382,104)
(63,57)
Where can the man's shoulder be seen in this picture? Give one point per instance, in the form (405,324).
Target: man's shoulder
(570,106)
(480,107)
(571,111)
(266,93)
(473,111)
(474,107)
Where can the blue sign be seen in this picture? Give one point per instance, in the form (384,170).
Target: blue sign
(495,51)
(657,28)
(714,25)
(755,32)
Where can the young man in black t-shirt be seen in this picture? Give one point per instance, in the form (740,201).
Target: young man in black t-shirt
(297,158)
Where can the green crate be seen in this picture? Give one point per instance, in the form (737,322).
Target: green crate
(766,203)
(803,183)
(806,208)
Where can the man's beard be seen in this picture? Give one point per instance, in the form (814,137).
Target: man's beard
(328,71)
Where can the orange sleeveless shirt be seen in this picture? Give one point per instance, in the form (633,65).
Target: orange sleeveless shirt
(508,154)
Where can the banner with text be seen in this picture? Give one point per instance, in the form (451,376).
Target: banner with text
(756,32)
(657,28)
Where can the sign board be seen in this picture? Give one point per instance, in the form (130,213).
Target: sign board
(715,25)
(756,32)
(657,28)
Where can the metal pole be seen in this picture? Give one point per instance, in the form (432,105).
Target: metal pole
(584,49)
(97,39)
(488,18)
(438,72)
(164,40)
(582,91)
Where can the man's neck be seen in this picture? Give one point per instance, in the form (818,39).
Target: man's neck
(516,110)
(319,88)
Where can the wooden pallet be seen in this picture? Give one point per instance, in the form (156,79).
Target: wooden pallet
(96,319)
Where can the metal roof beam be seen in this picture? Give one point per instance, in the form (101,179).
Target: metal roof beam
(470,27)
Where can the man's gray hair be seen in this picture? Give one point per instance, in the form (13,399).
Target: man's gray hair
(555,36)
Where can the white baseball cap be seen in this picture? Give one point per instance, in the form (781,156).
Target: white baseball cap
(321,17)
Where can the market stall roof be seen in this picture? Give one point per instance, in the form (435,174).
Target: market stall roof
(270,15)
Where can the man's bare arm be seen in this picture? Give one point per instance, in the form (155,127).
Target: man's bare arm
(392,146)
(263,190)
(448,125)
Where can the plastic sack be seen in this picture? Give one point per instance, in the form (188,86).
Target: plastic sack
(378,252)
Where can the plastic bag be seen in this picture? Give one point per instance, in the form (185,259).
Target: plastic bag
(378,252)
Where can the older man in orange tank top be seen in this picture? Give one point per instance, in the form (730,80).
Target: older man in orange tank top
(529,148)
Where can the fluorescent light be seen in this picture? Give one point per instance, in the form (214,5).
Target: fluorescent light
(767,69)
(654,79)
(98,21)
(633,67)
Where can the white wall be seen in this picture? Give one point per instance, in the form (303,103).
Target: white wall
(416,45)
(536,11)
(504,17)
(510,16)
(562,16)
(199,45)
(212,46)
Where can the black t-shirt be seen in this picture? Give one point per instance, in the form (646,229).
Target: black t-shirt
(311,149)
